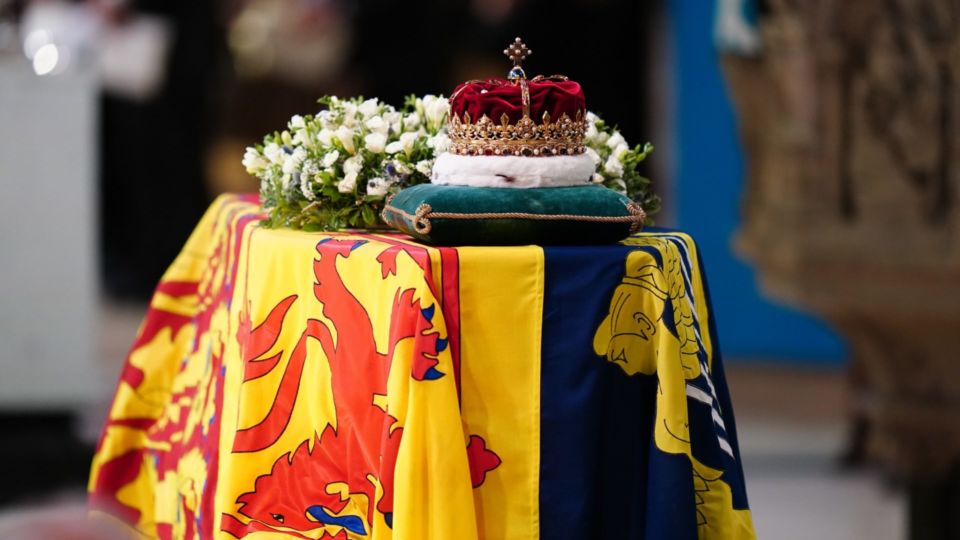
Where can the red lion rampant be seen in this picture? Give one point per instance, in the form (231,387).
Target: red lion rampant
(361,449)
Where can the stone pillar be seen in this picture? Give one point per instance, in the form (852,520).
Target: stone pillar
(850,120)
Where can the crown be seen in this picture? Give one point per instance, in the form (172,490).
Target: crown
(543,116)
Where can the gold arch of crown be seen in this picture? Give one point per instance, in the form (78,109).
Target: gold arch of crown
(525,138)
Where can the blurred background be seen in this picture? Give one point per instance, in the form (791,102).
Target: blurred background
(807,146)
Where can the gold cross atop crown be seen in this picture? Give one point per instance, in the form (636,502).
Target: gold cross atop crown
(517,52)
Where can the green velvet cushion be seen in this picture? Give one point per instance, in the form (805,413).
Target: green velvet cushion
(462,215)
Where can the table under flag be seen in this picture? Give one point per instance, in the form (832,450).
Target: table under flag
(360,385)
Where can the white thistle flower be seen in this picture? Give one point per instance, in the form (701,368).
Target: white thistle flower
(348,184)
(345,136)
(330,158)
(375,142)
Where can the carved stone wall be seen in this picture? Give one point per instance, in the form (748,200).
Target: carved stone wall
(850,119)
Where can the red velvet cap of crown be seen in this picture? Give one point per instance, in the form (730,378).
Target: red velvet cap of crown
(495,97)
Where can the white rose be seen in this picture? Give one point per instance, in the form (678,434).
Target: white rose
(345,136)
(348,184)
(594,156)
(440,142)
(253,162)
(425,167)
(325,136)
(597,178)
(293,160)
(330,158)
(369,107)
(377,187)
(613,167)
(377,124)
(297,122)
(411,122)
(407,140)
(375,142)
(273,153)
(615,140)
(353,165)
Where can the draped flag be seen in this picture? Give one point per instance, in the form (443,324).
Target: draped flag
(354,385)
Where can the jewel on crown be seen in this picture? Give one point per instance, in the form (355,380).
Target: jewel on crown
(545,136)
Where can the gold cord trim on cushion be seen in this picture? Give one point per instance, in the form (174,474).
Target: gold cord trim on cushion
(421,218)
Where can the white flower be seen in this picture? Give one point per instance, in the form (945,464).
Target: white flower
(353,165)
(377,124)
(348,184)
(592,118)
(293,160)
(345,136)
(375,142)
(394,147)
(621,150)
(425,167)
(594,156)
(615,140)
(436,111)
(377,187)
(285,181)
(274,153)
(325,136)
(306,188)
(613,167)
(440,142)
(401,168)
(326,118)
(394,120)
(597,178)
(407,140)
(330,158)
(601,137)
(591,133)
(253,161)
(411,122)
(369,107)
(297,122)
(349,113)
(621,186)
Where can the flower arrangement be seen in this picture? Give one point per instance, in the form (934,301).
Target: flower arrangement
(334,170)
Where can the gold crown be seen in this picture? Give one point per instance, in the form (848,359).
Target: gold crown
(525,138)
